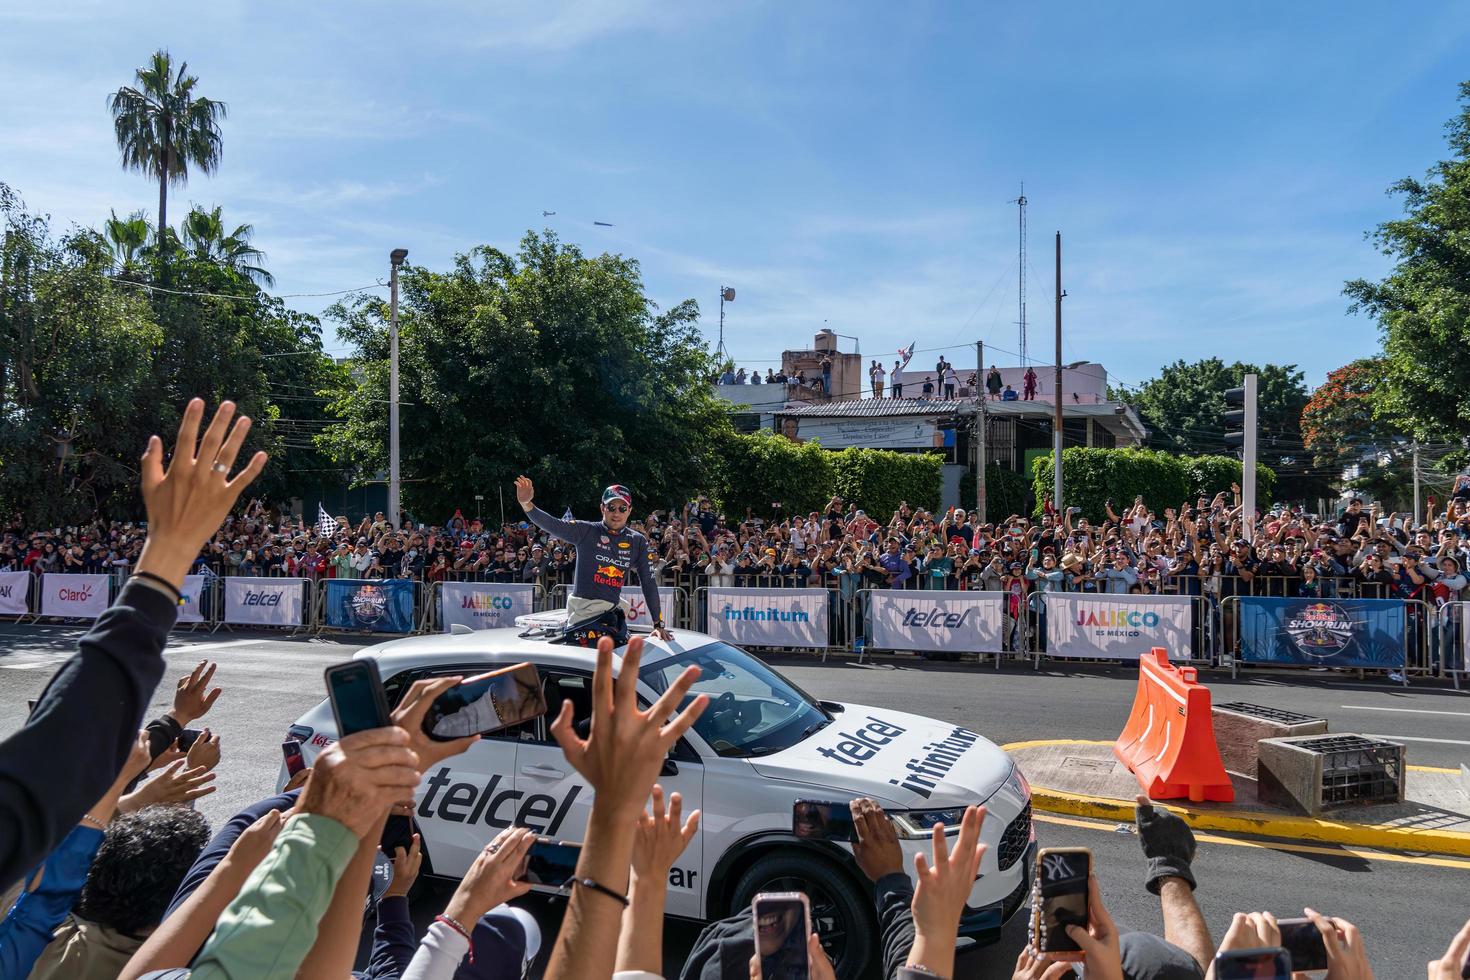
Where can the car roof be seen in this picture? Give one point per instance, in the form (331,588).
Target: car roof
(507,645)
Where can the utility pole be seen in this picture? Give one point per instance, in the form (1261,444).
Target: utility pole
(395,259)
(1417,510)
(1240,432)
(981,424)
(1056,459)
(727,295)
(1020,203)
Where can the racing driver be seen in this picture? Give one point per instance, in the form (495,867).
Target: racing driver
(606,551)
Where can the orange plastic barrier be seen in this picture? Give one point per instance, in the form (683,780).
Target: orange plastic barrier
(1169,741)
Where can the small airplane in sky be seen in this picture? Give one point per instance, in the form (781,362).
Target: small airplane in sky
(604,224)
(547,214)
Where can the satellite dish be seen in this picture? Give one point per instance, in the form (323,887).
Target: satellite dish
(728,294)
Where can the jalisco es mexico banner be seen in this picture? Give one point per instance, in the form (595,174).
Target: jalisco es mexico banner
(483,605)
(768,617)
(264,601)
(382,605)
(906,619)
(75,596)
(13,589)
(1117,627)
(1366,633)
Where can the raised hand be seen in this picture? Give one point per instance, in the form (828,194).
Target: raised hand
(406,863)
(409,716)
(661,838)
(1030,967)
(175,784)
(255,841)
(493,878)
(525,492)
(876,848)
(187,500)
(1099,941)
(192,696)
(626,747)
(355,780)
(941,890)
(204,752)
(1453,965)
(1346,957)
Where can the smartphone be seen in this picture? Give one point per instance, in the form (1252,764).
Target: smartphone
(1061,885)
(782,922)
(398,832)
(551,862)
(356,693)
(486,703)
(295,761)
(1303,944)
(1267,963)
(188,737)
(817,820)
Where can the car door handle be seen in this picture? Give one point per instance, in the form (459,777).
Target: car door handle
(544,771)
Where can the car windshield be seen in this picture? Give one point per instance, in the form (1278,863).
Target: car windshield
(753,710)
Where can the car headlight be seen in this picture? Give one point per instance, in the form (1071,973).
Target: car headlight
(920,823)
(1017,784)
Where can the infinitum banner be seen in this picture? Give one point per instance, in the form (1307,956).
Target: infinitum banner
(768,617)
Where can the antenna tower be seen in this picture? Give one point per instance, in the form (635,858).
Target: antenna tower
(1020,203)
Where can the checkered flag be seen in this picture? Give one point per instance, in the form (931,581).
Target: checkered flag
(326,525)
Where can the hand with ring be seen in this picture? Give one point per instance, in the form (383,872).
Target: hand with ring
(493,878)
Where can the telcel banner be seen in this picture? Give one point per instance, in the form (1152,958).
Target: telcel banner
(264,601)
(483,605)
(637,605)
(908,619)
(75,596)
(13,586)
(1365,633)
(192,611)
(768,617)
(377,605)
(1117,627)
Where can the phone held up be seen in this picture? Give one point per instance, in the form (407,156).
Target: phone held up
(817,820)
(552,863)
(1266,963)
(486,703)
(295,761)
(782,920)
(356,693)
(1060,901)
(1302,940)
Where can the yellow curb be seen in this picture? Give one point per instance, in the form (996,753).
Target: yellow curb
(1280,826)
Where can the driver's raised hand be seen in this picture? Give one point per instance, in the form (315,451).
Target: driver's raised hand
(525,492)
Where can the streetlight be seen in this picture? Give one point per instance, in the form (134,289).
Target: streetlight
(395,259)
(727,295)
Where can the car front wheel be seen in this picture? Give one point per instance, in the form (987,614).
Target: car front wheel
(841,914)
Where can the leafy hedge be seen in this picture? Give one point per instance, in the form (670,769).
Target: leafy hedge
(1091,477)
(763,467)
(1006,492)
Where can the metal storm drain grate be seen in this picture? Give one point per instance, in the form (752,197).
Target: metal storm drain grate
(1357,769)
(1266,714)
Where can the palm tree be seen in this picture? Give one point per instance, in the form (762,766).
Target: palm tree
(129,239)
(163,127)
(204,234)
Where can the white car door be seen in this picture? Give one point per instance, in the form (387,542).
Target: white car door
(557,802)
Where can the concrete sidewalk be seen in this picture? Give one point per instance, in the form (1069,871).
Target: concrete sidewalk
(1083,778)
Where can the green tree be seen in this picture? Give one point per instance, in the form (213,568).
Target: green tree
(547,362)
(128,239)
(163,127)
(1183,405)
(203,232)
(1423,305)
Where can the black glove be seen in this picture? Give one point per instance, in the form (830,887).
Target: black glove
(1168,843)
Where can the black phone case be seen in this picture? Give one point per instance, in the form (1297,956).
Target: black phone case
(377,686)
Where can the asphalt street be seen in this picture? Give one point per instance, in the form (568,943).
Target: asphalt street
(1408,906)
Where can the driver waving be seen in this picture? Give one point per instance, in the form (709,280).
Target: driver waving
(606,551)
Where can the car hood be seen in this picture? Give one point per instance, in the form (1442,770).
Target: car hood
(909,760)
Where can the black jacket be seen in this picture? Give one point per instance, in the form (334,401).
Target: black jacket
(56,767)
(725,947)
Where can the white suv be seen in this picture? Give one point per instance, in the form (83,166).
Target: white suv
(762,744)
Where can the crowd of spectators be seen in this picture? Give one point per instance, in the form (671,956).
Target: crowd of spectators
(111,873)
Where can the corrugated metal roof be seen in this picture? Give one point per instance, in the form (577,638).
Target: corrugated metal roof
(874,407)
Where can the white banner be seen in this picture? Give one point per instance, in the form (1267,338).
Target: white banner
(13,586)
(192,611)
(768,617)
(483,605)
(1117,627)
(638,605)
(73,596)
(264,601)
(918,619)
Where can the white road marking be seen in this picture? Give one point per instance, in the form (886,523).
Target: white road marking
(219,645)
(1416,738)
(1407,711)
(24,666)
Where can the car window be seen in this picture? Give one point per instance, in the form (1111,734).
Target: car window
(396,686)
(577,688)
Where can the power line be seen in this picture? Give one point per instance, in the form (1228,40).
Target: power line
(190,292)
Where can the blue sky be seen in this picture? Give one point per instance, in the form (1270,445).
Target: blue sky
(846,163)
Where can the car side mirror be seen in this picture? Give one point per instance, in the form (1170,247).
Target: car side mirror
(670,768)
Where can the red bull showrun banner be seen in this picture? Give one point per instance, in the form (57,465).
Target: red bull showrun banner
(1365,633)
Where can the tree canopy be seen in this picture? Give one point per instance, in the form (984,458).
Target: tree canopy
(547,362)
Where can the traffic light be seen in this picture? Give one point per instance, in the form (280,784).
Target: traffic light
(1234,418)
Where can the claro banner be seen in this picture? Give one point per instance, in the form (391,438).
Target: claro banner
(74,596)
(768,617)
(264,601)
(13,589)
(1117,627)
(483,605)
(906,619)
